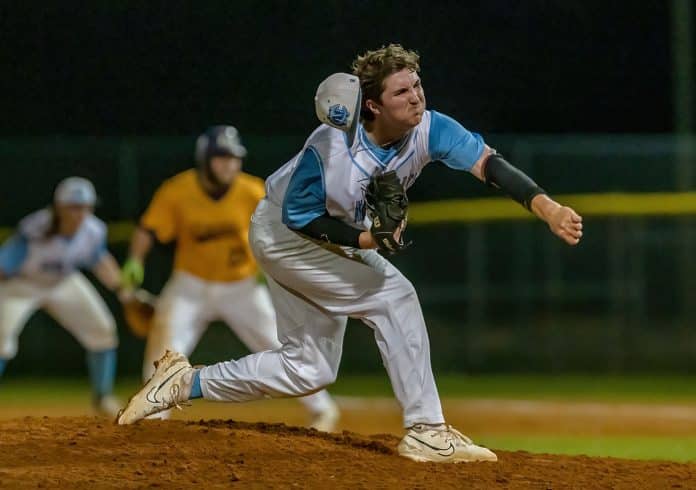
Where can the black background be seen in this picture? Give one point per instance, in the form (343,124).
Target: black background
(171,68)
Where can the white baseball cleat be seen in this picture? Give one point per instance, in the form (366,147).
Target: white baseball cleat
(326,420)
(169,386)
(441,444)
(107,406)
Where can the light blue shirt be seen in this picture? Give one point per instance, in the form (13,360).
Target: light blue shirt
(328,177)
(31,254)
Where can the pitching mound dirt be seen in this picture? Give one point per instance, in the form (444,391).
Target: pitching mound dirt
(84,452)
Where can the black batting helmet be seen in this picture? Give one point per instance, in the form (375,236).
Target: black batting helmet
(218,141)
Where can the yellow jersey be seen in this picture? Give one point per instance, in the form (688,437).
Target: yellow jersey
(211,235)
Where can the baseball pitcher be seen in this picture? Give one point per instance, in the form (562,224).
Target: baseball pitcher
(39,269)
(207,211)
(316,235)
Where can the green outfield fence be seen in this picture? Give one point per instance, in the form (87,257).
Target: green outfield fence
(499,292)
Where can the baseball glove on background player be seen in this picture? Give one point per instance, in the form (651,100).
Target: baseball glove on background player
(387,206)
(139,310)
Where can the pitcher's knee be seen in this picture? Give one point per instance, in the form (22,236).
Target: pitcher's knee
(307,378)
(322,380)
(312,384)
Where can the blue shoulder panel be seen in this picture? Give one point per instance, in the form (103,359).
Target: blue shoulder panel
(305,197)
(452,144)
(12,254)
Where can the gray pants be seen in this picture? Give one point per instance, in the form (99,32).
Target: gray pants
(73,302)
(188,304)
(314,290)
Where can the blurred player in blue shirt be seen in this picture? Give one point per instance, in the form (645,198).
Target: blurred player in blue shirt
(39,268)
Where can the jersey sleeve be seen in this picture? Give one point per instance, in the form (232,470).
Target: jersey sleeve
(160,216)
(95,247)
(36,224)
(452,144)
(100,249)
(305,198)
(13,253)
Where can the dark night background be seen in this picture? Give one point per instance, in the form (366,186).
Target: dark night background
(160,68)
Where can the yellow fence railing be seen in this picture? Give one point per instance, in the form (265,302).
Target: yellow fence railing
(649,204)
(607,204)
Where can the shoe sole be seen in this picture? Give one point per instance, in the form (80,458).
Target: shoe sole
(420,459)
(423,459)
(135,422)
(141,390)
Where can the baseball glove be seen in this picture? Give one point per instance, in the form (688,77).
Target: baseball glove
(387,206)
(139,310)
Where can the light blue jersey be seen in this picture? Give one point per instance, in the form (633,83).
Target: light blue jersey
(30,254)
(327,176)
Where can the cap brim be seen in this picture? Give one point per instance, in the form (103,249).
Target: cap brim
(79,203)
(352,131)
(237,151)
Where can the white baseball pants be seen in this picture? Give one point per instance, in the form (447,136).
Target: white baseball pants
(73,302)
(314,291)
(188,304)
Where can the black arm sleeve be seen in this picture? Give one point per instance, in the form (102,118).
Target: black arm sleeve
(512,181)
(331,230)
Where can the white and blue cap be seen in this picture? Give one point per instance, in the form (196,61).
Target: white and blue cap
(337,103)
(75,190)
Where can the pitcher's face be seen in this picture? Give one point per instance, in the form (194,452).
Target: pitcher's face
(402,102)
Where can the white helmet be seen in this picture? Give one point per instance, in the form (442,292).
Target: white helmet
(75,190)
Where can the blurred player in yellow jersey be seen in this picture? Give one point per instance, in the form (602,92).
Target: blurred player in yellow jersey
(207,211)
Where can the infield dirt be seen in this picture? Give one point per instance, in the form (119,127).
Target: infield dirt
(88,452)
